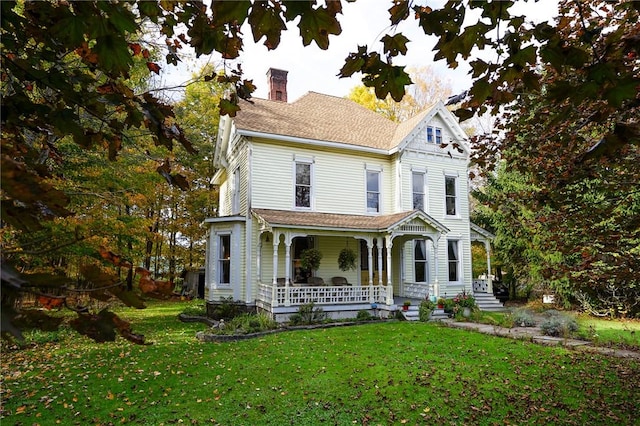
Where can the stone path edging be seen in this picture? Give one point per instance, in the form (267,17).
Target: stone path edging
(535,335)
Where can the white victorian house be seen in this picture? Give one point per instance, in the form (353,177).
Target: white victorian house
(324,172)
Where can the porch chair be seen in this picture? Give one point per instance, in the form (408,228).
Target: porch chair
(315,281)
(337,281)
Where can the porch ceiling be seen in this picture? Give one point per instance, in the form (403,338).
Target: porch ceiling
(341,222)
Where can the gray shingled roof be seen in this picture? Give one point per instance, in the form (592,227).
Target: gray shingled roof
(322,117)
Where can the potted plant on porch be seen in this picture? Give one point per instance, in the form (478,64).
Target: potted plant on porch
(405,305)
(347,259)
(310,259)
(440,302)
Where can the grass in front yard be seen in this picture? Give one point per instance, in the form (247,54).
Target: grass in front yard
(377,373)
(604,332)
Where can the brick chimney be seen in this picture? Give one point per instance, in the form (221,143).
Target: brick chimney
(277,84)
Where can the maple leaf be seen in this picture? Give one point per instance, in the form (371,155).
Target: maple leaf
(316,25)
(153,67)
(266,22)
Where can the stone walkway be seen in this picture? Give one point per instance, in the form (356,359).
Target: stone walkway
(535,335)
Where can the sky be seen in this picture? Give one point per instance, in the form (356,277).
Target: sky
(363,22)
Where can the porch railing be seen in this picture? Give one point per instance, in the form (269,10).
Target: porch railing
(480,286)
(324,295)
(418,290)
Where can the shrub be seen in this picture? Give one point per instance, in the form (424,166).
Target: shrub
(248,324)
(523,318)
(364,315)
(227,309)
(558,324)
(425,310)
(307,314)
(195,308)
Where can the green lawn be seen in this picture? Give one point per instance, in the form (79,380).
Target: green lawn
(620,333)
(378,373)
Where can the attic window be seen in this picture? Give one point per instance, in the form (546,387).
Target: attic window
(430,135)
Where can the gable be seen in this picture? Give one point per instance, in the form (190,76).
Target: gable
(436,118)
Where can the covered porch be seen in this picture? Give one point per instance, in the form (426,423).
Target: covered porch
(378,276)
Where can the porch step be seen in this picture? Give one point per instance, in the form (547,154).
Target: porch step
(412,314)
(488,302)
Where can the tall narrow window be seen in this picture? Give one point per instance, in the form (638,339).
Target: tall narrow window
(373,191)
(224,259)
(235,201)
(418,190)
(420,261)
(454,260)
(429,134)
(438,135)
(303,185)
(450,195)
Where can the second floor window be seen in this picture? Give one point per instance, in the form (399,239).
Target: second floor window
(438,135)
(303,185)
(373,191)
(418,190)
(450,196)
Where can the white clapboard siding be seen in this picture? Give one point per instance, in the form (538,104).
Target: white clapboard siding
(338,178)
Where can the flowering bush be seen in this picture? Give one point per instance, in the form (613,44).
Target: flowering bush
(464,300)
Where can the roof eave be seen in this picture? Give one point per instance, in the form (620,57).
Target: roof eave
(313,142)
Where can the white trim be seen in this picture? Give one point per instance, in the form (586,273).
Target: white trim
(314,142)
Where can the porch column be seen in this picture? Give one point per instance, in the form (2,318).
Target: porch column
(259,260)
(436,247)
(274,282)
(487,247)
(287,269)
(370,259)
(389,245)
(379,244)
(287,259)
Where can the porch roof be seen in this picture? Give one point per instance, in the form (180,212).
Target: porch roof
(480,233)
(343,222)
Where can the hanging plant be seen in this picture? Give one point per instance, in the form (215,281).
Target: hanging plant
(347,259)
(310,259)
